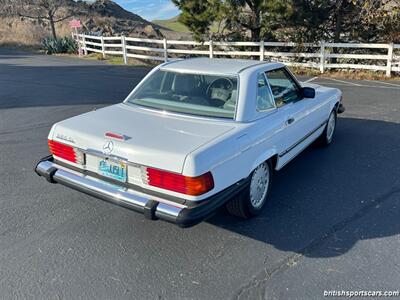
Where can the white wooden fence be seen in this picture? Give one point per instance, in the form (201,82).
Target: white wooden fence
(323,56)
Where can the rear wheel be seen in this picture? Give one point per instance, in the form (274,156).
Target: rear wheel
(327,135)
(252,199)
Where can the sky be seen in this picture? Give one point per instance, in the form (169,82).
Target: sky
(150,9)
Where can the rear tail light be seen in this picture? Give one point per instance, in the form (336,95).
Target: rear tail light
(193,186)
(66,152)
(115,136)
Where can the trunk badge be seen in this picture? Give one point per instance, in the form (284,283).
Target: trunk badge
(108,147)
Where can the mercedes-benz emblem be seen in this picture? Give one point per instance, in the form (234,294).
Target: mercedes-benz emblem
(108,147)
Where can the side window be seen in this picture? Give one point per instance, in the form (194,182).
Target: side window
(283,87)
(264,98)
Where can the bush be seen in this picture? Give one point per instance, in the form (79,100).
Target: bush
(60,45)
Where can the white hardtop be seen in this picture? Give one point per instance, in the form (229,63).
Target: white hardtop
(204,65)
(246,69)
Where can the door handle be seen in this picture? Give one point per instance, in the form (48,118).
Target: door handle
(289,121)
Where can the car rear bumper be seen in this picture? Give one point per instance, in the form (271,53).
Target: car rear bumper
(341,109)
(152,207)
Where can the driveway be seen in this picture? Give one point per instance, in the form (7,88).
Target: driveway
(332,222)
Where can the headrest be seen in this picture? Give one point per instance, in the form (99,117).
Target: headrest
(183,84)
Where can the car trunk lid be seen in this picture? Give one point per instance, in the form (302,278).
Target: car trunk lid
(149,138)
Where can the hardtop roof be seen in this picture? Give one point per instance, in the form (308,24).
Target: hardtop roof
(212,65)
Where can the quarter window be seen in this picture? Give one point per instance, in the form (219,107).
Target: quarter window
(264,98)
(284,88)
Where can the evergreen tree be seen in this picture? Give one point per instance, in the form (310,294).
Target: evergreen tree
(247,18)
(293,20)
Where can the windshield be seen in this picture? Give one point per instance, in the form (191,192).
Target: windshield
(202,95)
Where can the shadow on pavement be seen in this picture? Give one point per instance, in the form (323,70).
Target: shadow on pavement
(35,86)
(326,189)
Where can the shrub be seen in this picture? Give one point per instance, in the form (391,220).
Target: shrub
(60,45)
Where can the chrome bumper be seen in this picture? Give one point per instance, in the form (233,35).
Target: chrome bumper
(151,207)
(341,109)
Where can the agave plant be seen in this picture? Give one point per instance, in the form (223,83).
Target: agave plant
(59,45)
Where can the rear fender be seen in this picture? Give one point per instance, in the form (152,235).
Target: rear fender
(271,153)
(334,104)
(51,133)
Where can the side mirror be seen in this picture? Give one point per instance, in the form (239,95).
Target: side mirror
(308,92)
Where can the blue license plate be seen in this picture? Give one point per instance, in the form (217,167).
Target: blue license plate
(114,170)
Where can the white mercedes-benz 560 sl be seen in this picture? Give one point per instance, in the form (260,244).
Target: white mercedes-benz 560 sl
(192,136)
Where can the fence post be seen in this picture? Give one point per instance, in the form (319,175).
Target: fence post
(165,50)
(123,41)
(262,50)
(389,60)
(322,63)
(103,48)
(211,48)
(84,44)
(77,39)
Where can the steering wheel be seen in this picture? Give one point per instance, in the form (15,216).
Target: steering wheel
(219,90)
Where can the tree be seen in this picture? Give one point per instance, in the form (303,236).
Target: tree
(52,11)
(381,19)
(345,20)
(259,17)
(294,20)
(251,18)
(198,16)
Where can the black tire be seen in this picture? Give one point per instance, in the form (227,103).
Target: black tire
(325,139)
(242,206)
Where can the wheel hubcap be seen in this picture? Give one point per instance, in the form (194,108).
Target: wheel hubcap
(331,127)
(259,185)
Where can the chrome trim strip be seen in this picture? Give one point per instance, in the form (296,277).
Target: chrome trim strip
(44,166)
(114,158)
(167,209)
(301,140)
(176,114)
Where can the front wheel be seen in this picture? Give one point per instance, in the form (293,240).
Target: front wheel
(252,199)
(326,137)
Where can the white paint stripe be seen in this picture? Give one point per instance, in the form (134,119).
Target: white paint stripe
(382,82)
(342,81)
(359,85)
(309,80)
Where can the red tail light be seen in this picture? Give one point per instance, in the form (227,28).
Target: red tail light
(66,152)
(115,136)
(193,186)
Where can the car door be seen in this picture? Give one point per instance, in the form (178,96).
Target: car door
(296,112)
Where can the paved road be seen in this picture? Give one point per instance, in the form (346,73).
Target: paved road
(332,222)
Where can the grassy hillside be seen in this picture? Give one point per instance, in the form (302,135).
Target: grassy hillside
(101,16)
(172,24)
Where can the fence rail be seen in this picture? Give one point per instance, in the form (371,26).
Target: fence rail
(322,55)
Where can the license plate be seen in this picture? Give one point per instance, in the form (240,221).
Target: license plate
(114,170)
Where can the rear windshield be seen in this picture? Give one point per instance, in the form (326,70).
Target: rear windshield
(202,95)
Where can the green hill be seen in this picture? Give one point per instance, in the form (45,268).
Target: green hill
(172,24)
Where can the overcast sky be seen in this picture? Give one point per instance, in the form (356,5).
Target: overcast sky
(150,9)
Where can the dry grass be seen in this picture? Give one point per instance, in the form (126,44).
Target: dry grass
(346,74)
(15,32)
(117,60)
(27,33)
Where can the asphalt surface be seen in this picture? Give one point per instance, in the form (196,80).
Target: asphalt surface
(332,223)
